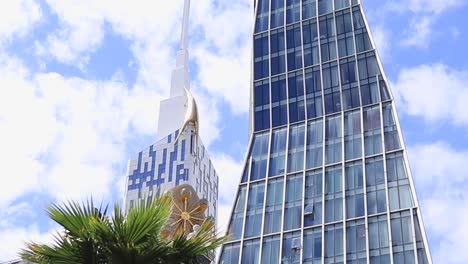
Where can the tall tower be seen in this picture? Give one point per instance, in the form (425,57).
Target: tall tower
(326,177)
(178,157)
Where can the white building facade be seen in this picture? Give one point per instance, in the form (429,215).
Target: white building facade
(179,156)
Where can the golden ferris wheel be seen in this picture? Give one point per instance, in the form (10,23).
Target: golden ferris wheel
(188,211)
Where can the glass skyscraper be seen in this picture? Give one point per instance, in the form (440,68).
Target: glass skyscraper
(326,177)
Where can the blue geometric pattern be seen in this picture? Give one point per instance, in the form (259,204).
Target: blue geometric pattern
(137,178)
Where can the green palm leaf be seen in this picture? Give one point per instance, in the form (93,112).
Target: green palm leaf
(90,236)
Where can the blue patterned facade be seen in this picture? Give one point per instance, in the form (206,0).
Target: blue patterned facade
(167,164)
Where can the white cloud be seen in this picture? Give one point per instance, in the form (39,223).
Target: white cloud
(422,20)
(419,32)
(222,49)
(382,40)
(441,178)
(65,136)
(432,6)
(17,18)
(59,135)
(435,92)
(229,171)
(224,54)
(14,239)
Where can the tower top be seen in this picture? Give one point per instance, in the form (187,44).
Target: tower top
(183,39)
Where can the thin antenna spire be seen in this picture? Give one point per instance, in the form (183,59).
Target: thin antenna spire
(185,24)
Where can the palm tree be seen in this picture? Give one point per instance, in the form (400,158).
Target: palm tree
(92,236)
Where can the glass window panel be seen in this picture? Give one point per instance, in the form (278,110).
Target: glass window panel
(358,20)
(341,4)
(343,23)
(277,44)
(259,155)
(314,144)
(270,251)
(261,46)
(313,199)
(309,9)
(235,226)
(293,11)
(354,190)
(402,237)
(251,251)
(230,254)
(254,211)
(278,152)
(353,147)
(327,27)
(313,81)
(278,89)
(293,203)
(392,141)
(291,253)
(325,6)
(273,207)
(363,42)
(375,171)
(296,97)
(296,148)
(348,73)
(312,252)
(333,138)
(261,23)
(356,241)
(334,244)
(277,13)
(333,194)
(310,33)
(378,239)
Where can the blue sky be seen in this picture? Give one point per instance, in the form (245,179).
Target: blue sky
(81,82)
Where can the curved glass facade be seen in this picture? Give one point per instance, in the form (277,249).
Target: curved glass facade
(326,179)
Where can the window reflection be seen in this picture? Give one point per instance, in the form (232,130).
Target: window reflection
(261,23)
(375,182)
(277,13)
(372,131)
(230,254)
(253,221)
(356,241)
(274,206)
(296,97)
(392,141)
(353,144)
(296,148)
(259,156)
(314,92)
(279,101)
(399,190)
(379,240)
(278,152)
(312,253)
(293,202)
(333,139)
(250,251)
(402,237)
(354,190)
(235,226)
(314,144)
(334,250)
(270,251)
(333,194)
(313,198)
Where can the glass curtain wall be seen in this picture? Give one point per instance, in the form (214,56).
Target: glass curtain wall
(326,178)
